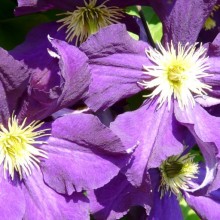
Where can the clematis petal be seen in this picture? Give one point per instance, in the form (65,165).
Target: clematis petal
(204,128)
(158,136)
(84,154)
(163,208)
(207,207)
(14,76)
(11,208)
(115,199)
(177,16)
(116,63)
(57,81)
(213,51)
(44,203)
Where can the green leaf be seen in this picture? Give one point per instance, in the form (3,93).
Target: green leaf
(14,30)
(134,36)
(6,9)
(188,213)
(153,22)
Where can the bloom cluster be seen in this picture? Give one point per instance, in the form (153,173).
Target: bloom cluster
(73,142)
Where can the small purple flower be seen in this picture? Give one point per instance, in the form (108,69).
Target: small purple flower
(181,173)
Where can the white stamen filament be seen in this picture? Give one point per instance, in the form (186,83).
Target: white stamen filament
(18,151)
(177,74)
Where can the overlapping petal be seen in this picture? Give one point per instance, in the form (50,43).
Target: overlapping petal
(14,76)
(205,207)
(44,203)
(59,78)
(116,62)
(83,154)
(115,199)
(205,129)
(182,20)
(157,135)
(163,208)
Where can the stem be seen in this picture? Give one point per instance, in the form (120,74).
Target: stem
(146,28)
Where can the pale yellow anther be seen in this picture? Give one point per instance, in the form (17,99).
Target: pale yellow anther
(177,173)
(88,19)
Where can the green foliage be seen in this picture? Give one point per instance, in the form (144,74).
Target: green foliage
(14,29)
(6,9)
(134,36)
(188,213)
(153,22)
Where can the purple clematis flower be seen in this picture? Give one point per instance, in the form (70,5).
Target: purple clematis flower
(201,201)
(20,156)
(161,170)
(118,72)
(48,165)
(182,78)
(83,18)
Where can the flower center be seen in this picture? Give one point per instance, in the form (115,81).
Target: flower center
(176,173)
(17,150)
(87,20)
(174,73)
(177,73)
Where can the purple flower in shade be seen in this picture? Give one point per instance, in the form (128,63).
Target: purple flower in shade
(60,76)
(47,166)
(83,18)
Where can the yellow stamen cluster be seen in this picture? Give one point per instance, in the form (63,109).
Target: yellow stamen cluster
(177,73)
(210,22)
(176,174)
(17,147)
(87,20)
